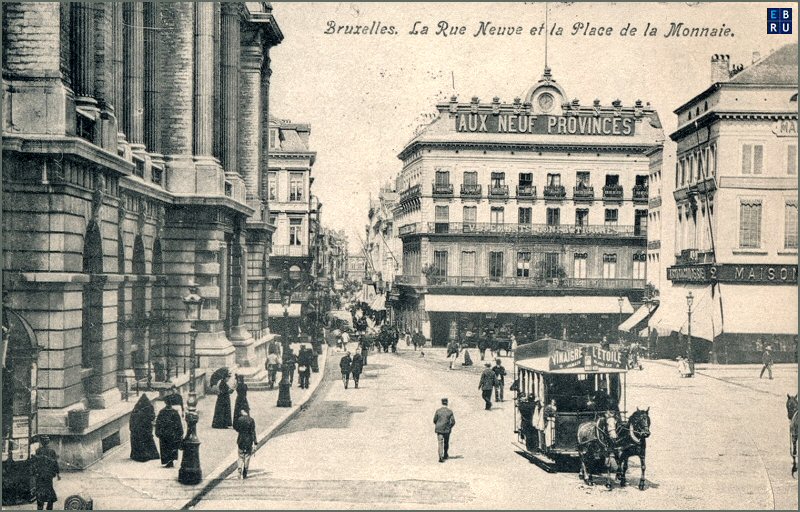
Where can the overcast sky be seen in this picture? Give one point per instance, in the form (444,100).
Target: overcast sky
(365,94)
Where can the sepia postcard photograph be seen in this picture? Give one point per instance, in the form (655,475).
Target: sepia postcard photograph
(399,256)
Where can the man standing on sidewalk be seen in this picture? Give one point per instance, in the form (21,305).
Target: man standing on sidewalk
(45,468)
(304,366)
(486,385)
(767,360)
(356,366)
(345,364)
(499,381)
(444,421)
(246,427)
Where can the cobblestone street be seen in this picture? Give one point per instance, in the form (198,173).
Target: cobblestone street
(719,441)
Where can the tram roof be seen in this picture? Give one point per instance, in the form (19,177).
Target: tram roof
(549,355)
(542,365)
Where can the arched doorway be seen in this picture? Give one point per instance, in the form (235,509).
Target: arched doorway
(19,373)
(92,327)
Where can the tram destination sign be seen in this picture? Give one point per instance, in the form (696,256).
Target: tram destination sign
(734,274)
(591,357)
(546,125)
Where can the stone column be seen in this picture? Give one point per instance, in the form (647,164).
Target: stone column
(152,127)
(229,64)
(106,128)
(118,99)
(134,69)
(217,141)
(82,17)
(204,79)
(249,158)
(266,73)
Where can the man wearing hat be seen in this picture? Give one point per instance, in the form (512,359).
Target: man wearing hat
(45,468)
(499,380)
(767,360)
(444,421)
(486,385)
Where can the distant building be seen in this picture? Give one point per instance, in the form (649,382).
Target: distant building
(356,267)
(528,216)
(383,247)
(736,224)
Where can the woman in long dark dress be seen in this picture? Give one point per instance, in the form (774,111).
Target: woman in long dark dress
(169,430)
(143,446)
(241,397)
(222,410)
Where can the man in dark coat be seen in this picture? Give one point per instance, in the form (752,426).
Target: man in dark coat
(304,360)
(291,364)
(364,349)
(245,425)
(143,446)
(44,465)
(483,344)
(444,421)
(499,381)
(356,366)
(486,385)
(768,361)
(169,431)
(418,339)
(344,364)
(222,409)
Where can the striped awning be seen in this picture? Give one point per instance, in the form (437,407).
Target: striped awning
(565,305)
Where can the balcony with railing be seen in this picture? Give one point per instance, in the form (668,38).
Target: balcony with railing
(583,193)
(442,190)
(289,250)
(471,190)
(498,191)
(526,192)
(487,228)
(562,283)
(640,194)
(411,193)
(554,192)
(612,193)
(408,229)
(694,257)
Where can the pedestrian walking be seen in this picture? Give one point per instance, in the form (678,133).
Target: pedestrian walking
(768,361)
(467,359)
(169,431)
(245,425)
(222,409)
(345,340)
(356,366)
(304,360)
(44,466)
(174,397)
(483,344)
(273,364)
(499,381)
(291,365)
(364,350)
(486,385)
(345,364)
(395,338)
(445,420)
(143,446)
(241,397)
(407,338)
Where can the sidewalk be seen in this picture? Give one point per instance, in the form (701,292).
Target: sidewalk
(117,482)
(745,375)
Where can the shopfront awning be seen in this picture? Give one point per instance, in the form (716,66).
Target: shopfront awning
(636,318)
(566,305)
(672,314)
(276,310)
(753,309)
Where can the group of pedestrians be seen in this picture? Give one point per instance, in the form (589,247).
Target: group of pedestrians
(492,378)
(351,365)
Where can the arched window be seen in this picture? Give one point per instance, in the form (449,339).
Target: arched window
(92,326)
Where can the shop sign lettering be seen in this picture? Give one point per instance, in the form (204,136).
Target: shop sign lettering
(545,125)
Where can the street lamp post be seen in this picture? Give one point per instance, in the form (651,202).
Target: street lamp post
(191,473)
(621,301)
(689,301)
(285,289)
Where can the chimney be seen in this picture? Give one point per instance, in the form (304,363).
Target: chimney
(756,57)
(720,68)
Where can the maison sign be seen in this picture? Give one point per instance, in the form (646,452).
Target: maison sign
(735,274)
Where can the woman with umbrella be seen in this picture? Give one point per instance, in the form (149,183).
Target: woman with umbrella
(143,446)
(222,410)
(241,397)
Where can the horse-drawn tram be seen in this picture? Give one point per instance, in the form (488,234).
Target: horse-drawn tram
(559,386)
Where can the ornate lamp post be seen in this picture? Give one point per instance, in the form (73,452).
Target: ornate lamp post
(190,472)
(689,301)
(621,301)
(285,290)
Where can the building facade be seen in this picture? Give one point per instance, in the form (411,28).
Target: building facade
(528,216)
(735,192)
(294,211)
(132,157)
(383,247)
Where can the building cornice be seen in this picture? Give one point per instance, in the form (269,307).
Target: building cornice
(728,85)
(738,115)
(71,146)
(528,146)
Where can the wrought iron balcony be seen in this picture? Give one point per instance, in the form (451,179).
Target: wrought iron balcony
(411,193)
(526,191)
(583,193)
(471,190)
(484,228)
(694,257)
(554,192)
(498,191)
(289,250)
(443,190)
(612,193)
(408,229)
(561,283)
(640,194)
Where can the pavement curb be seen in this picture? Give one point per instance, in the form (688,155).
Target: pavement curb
(229,465)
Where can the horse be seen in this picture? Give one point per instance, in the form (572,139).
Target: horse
(596,441)
(791,411)
(632,442)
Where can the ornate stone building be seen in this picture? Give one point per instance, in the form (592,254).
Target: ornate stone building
(133,156)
